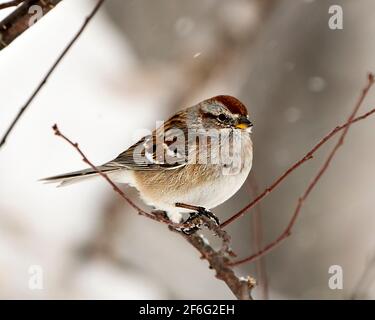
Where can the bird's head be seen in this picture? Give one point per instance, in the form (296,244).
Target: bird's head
(225,112)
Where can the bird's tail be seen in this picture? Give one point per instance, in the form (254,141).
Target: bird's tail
(76,176)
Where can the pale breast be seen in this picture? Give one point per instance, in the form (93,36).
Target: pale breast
(204,185)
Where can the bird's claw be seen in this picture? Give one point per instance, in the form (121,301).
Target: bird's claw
(194,223)
(190,230)
(204,212)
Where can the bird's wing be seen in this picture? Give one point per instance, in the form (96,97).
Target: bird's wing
(164,149)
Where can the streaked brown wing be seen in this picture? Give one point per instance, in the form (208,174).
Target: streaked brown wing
(157,151)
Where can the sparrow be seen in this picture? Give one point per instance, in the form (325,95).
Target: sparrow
(201,156)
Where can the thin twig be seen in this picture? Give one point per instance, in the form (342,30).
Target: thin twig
(154,216)
(22,18)
(297,164)
(218,260)
(50,71)
(286,233)
(104,175)
(240,287)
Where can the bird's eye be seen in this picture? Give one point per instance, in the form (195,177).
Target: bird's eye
(222,117)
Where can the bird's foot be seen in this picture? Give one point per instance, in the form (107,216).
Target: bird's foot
(204,212)
(195,223)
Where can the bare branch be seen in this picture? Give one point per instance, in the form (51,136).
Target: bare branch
(9,4)
(50,71)
(296,165)
(21,19)
(286,233)
(218,260)
(241,287)
(104,175)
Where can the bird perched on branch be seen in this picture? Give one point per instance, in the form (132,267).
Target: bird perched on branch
(201,156)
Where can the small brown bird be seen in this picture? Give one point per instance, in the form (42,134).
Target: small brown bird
(201,156)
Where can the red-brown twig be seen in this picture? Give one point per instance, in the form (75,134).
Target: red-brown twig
(218,260)
(22,18)
(241,287)
(103,174)
(50,71)
(286,233)
(296,165)
(9,4)
(142,212)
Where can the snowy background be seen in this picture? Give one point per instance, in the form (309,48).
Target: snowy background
(140,61)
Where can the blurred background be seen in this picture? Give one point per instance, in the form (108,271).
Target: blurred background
(139,61)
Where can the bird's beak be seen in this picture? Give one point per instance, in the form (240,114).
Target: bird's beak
(243,122)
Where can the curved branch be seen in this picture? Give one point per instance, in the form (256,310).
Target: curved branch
(218,260)
(21,19)
(12,3)
(286,233)
(296,165)
(50,71)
